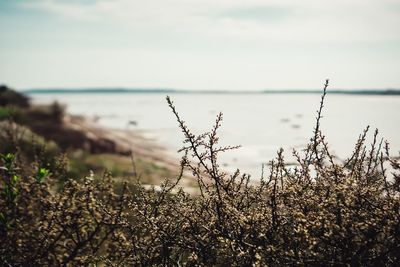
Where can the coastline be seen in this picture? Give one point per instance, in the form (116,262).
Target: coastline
(131,145)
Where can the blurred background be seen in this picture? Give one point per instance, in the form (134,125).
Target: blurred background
(263,63)
(200,44)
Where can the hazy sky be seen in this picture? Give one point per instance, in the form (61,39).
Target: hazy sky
(200,44)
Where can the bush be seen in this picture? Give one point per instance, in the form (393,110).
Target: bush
(5,113)
(10,97)
(319,213)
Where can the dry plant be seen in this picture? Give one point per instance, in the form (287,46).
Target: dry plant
(320,213)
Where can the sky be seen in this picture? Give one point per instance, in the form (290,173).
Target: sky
(200,44)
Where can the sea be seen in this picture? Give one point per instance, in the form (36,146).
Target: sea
(260,123)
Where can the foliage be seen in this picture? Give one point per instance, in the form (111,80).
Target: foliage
(33,151)
(320,213)
(5,113)
(10,97)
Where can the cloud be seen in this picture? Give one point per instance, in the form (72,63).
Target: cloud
(256,13)
(72,10)
(252,20)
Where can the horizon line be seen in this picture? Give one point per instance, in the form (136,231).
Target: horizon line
(66,90)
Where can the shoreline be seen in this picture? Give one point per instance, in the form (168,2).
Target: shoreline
(132,144)
(126,141)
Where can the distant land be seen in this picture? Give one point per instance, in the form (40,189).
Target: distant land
(178,91)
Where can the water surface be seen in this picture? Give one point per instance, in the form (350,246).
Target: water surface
(260,123)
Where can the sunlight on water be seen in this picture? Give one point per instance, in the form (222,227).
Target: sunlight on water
(260,123)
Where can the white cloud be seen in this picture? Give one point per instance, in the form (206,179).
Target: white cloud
(69,10)
(207,43)
(297,21)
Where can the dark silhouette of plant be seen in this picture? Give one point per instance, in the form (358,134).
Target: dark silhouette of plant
(322,212)
(10,97)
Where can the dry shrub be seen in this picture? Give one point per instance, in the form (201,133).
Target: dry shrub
(320,213)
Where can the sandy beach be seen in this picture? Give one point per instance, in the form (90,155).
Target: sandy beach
(131,144)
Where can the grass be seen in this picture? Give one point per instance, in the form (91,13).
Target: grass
(82,163)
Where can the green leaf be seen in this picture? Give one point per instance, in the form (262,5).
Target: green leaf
(42,174)
(14,179)
(8,160)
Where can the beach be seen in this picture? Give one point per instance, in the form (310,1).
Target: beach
(130,145)
(260,123)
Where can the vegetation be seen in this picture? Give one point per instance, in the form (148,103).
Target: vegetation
(39,133)
(320,213)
